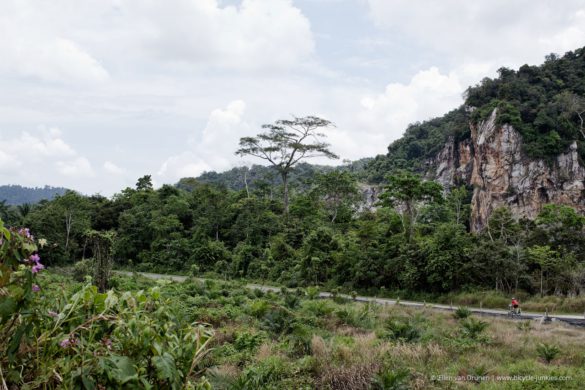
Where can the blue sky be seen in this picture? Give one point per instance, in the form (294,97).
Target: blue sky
(95,93)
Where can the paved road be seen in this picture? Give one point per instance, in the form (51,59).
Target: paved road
(573,319)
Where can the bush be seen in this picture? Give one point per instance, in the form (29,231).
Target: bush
(313,292)
(19,267)
(391,380)
(108,339)
(473,328)
(547,352)
(278,321)
(461,313)
(291,300)
(524,326)
(246,341)
(267,372)
(402,329)
(194,270)
(83,269)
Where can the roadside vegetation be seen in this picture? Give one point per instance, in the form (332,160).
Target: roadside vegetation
(256,340)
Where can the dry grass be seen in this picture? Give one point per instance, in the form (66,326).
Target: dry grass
(266,350)
(348,377)
(348,367)
(319,348)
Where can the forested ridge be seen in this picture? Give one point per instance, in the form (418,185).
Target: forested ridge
(17,195)
(417,240)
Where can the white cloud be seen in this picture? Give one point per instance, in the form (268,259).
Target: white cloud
(255,34)
(113,169)
(490,32)
(212,149)
(33,158)
(76,168)
(428,94)
(72,42)
(31,45)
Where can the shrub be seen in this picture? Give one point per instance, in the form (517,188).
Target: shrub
(261,376)
(547,352)
(278,321)
(524,326)
(402,329)
(194,270)
(473,328)
(108,339)
(391,380)
(246,341)
(299,339)
(313,292)
(82,269)
(291,301)
(259,308)
(18,269)
(461,313)
(319,308)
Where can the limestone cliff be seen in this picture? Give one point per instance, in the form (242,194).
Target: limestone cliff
(493,163)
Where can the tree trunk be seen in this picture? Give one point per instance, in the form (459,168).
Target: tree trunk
(246,183)
(68,218)
(285,191)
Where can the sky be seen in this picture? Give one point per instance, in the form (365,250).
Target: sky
(96,93)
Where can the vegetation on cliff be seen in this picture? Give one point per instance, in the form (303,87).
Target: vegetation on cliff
(545,104)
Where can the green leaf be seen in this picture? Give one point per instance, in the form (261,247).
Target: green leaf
(7,308)
(111,300)
(100,302)
(122,370)
(165,366)
(14,343)
(88,382)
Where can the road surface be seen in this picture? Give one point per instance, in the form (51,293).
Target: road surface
(573,319)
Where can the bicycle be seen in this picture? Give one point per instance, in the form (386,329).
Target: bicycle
(514,311)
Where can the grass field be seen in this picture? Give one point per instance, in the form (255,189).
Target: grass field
(288,341)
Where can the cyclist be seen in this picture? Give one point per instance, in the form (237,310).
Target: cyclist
(515,305)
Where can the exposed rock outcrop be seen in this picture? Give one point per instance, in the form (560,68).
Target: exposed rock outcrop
(493,162)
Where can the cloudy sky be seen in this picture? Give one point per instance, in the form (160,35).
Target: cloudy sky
(95,93)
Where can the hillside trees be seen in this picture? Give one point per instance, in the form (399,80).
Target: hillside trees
(339,192)
(62,222)
(407,192)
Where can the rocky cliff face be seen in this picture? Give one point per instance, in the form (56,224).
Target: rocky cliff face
(493,163)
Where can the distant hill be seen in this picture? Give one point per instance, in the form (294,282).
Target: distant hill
(15,194)
(259,175)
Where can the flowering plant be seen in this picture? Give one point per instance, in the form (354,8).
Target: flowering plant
(19,264)
(89,340)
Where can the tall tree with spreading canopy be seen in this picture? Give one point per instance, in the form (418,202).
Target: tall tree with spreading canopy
(285,143)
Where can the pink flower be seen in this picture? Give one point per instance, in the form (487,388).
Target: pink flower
(36,288)
(35,258)
(52,314)
(37,267)
(25,232)
(68,342)
(107,342)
